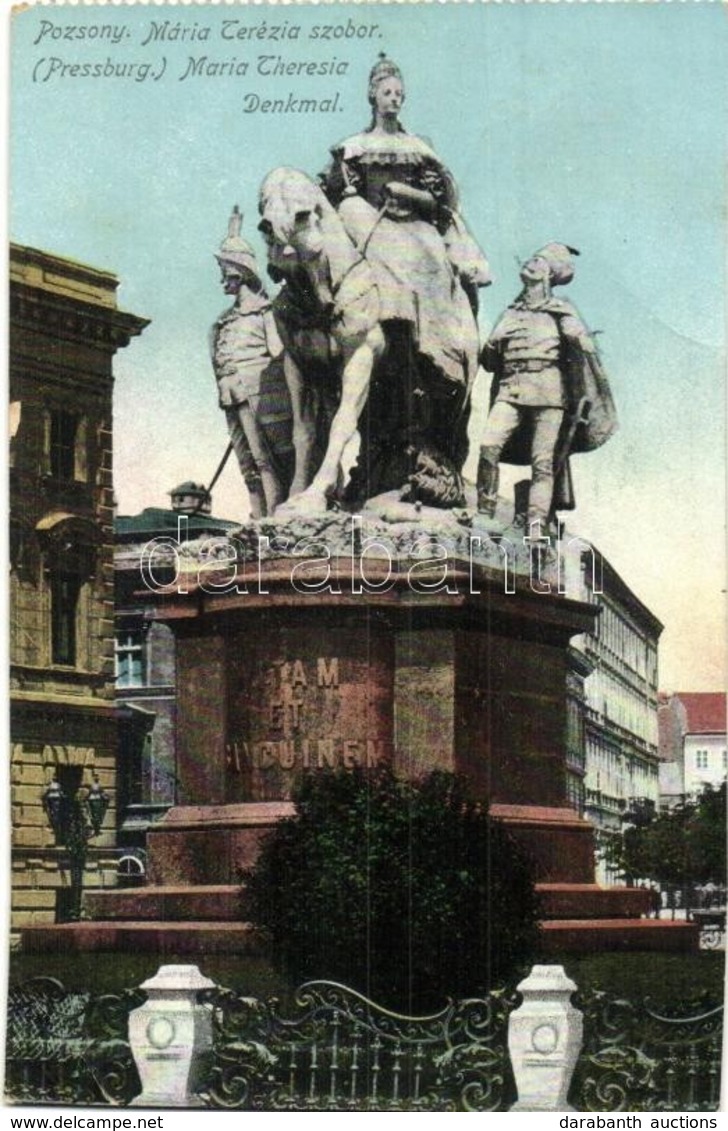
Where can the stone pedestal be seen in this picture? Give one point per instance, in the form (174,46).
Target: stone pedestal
(287,666)
(470,679)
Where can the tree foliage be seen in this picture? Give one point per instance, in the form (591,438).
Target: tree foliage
(682,846)
(408,892)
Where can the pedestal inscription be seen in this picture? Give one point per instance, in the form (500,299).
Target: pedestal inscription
(305,700)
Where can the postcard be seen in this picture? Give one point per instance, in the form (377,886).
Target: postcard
(367,463)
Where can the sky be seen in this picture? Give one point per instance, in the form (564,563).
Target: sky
(600,125)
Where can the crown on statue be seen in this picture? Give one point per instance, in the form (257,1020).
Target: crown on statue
(384,68)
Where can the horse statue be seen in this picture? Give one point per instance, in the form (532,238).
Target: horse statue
(349,363)
(328,318)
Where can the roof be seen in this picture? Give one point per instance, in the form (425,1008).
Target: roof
(63,276)
(189,488)
(616,586)
(57,283)
(706,711)
(613,585)
(159,521)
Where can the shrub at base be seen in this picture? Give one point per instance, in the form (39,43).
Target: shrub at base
(407,892)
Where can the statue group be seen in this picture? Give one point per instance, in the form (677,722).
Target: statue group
(374,331)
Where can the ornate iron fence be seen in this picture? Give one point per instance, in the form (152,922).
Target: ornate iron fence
(638,1058)
(337,1051)
(341,1052)
(68,1048)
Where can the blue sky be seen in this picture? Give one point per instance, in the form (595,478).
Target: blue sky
(602,125)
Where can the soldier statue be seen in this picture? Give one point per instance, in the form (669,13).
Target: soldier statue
(550,396)
(252,391)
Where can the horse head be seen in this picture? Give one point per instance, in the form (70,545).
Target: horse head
(298,223)
(291,208)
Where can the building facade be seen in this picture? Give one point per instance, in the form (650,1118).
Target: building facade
(619,669)
(65,327)
(692,744)
(144,653)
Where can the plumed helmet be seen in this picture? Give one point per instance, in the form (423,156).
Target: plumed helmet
(559,257)
(234,250)
(384,68)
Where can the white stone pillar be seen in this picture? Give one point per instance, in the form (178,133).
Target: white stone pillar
(544,1040)
(171,1037)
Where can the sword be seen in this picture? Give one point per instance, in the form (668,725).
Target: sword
(579,416)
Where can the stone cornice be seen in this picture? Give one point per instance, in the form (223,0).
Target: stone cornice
(66,318)
(67,705)
(63,275)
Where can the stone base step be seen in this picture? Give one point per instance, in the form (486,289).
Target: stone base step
(215,844)
(576,936)
(210,844)
(171,902)
(559,843)
(590,901)
(586,936)
(148,938)
(226,902)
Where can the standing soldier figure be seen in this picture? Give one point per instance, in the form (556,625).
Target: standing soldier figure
(550,396)
(248,364)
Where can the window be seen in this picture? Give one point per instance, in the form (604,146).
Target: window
(65,446)
(701,759)
(62,444)
(68,547)
(80,452)
(130,659)
(23,547)
(65,589)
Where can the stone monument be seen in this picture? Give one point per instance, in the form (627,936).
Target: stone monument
(397,625)
(349,640)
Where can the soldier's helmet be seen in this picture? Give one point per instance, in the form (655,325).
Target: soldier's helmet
(559,257)
(234,250)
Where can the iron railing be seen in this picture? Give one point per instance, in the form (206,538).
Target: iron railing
(68,1048)
(341,1052)
(337,1051)
(637,1057)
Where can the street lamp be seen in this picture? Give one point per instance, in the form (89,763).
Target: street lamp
(97,803)
(53,799)
(74,822)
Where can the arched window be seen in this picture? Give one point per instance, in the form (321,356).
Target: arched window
(70,547)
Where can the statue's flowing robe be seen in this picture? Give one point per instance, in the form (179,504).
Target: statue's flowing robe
(422,265)
(427,268)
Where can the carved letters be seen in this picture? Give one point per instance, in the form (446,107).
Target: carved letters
(302,721)
(307,755)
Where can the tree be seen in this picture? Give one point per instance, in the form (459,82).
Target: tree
(682,846)
(706,837)
(408,892)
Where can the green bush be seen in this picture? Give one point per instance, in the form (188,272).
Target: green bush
(407,892)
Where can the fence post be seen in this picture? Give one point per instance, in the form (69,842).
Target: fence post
(171,1038)
(544,1040)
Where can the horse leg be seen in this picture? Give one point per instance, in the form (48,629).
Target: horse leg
(355,381)
(304,424)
